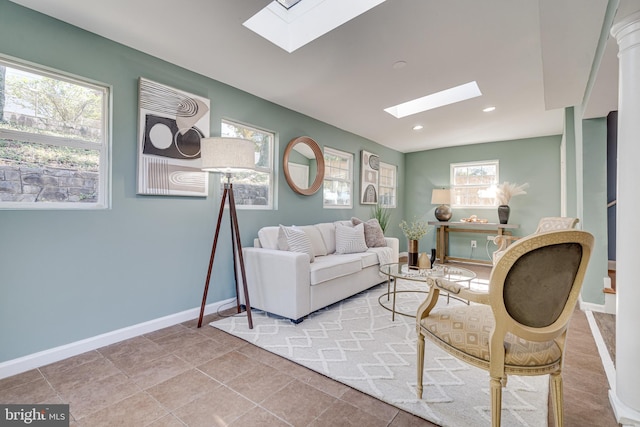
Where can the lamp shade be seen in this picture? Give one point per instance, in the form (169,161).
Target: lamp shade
(441,197)
(227,155)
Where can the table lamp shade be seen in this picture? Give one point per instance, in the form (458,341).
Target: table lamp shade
(227,155)
(441,197)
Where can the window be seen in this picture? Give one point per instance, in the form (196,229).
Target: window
(338,179)
(474,184)
(387,185)
(54,140)
(253,189)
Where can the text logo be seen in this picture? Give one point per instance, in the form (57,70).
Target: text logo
(34,415)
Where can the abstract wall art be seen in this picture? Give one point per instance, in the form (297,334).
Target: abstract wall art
(171,126)
(369,171)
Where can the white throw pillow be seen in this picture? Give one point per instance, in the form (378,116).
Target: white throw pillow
(350,240)
(319,249)
(297,241)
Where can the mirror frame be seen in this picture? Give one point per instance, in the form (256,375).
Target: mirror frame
(317,182)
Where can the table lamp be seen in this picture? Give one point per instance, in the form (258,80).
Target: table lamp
(442,197)
(227,156)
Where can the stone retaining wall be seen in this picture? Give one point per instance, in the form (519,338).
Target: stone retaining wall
(21,183)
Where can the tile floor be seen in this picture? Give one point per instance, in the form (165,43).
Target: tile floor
(183,375)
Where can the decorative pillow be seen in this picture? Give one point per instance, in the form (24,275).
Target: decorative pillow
(282,239)
(373,234)
(317,243)
(268,237)
(297,241)
(350,240)
(328,232)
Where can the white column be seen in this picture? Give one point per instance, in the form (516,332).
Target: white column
(626,396)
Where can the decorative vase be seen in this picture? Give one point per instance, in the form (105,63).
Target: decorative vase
(503,213)
(413,254)
(424,263)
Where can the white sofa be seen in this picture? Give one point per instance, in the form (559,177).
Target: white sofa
(287,284)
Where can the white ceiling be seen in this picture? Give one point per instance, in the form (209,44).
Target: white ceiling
(530,59)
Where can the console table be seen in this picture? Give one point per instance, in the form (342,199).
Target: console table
(446,227)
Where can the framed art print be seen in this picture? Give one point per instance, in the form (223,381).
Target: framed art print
(171,125)
(369,171)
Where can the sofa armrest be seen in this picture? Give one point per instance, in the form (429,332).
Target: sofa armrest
(278,281)
(394,244)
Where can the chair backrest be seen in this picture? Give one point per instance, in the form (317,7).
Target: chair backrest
(536,283)
(551,223)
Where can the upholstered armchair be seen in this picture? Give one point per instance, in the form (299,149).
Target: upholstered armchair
(549,223)
(519,326)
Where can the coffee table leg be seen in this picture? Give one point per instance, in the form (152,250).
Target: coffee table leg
(393,311)
(388,285)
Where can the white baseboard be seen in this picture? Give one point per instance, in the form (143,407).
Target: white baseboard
(589,306)
(625,416)
(46,357)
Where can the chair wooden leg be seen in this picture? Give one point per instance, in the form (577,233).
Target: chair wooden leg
(496,401)
(420,363)
(555,384)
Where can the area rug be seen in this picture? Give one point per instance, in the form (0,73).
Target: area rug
(356,343)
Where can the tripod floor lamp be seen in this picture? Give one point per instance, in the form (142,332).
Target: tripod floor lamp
(228,155)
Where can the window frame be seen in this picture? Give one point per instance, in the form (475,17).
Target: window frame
(270,170)
(394,188)
(489,188)
(103,147)
(350,158)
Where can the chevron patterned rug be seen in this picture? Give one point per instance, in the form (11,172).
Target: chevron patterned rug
(356,343)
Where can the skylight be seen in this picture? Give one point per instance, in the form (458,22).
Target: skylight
(292,28)
(435,100)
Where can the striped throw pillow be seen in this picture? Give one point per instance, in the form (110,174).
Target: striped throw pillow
(350,240)
(297,241)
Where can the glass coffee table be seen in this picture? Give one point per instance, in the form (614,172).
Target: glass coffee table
(401,271)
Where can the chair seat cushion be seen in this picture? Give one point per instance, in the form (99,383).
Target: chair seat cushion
(464,331)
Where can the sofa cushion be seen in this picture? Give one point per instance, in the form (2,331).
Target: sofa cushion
(373,234)
(317,243)
(268,237)
(298,241)
(368,259)
(333,266)
(328,232)
(350,240)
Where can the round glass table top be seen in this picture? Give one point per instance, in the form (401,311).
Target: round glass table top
(452,273)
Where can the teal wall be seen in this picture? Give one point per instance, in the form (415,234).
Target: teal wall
(70,275)
(571,159)
(535,161)
(594,215)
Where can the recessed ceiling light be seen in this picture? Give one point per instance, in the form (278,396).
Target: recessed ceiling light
(435,100)
(292,28)
(399,64)
(489,109)
(418,127)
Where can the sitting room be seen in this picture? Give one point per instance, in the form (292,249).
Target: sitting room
(237,212)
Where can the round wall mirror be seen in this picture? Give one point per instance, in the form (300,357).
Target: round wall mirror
(303,165)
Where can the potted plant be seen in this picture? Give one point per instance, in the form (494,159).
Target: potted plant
(413,231)
(382,214)
(504,193)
